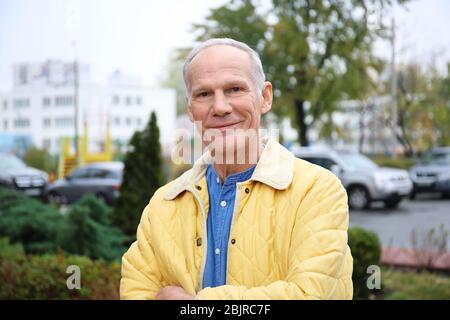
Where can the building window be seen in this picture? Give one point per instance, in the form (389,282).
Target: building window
(46,101)
(115,100)
(21,123)
(138,121)
(128,121)
(5,124)
(63,101)
(5,105)
(138,101)
(64,122)
(128,101)
(46,122)
(21,103)
(117,122)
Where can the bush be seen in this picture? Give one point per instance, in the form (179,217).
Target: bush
(88,231)
(28,221)
(85,229)
(44,276)
(366,251)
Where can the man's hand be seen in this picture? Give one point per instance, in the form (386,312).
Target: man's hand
(173,293)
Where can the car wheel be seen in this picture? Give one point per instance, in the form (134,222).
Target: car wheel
(358,198)
(392,203)
(412,195)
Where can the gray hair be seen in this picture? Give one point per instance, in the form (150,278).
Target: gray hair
(258,73)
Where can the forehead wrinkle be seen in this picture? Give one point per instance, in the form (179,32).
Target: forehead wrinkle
(218,78)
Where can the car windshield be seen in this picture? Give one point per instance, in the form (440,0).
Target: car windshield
(438,158)
(356,161)
(10,162)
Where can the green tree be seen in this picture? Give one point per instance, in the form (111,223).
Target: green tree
(315,52)
(40,159)
(423,110)
(142,177)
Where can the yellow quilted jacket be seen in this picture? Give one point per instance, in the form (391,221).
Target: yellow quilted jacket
(288,237)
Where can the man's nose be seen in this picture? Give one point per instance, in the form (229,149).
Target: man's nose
(220,105)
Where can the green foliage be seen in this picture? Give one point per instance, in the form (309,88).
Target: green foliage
(40,159)
(366,251)
(88,232)
(44,276)
(423,112)
(142,176)
(399,162)
(412,285)
(29,222)
(85,229)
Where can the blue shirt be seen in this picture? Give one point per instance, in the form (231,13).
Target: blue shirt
(221,205)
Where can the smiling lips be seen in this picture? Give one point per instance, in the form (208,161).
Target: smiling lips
(225,126)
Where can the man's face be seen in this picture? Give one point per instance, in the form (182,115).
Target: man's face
(223,96)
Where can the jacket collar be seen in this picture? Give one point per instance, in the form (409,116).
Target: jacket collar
(275,168)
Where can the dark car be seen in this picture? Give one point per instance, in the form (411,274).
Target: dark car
(432,174)
(15,174)
(103,179)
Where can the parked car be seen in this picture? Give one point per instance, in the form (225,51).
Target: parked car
(15,174)
(363,179)
(103,179)
(432,174)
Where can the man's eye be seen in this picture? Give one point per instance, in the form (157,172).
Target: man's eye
(236,89)
(202,94)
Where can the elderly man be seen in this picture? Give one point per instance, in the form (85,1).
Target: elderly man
(269,226)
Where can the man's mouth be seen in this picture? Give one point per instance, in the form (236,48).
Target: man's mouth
(228,126)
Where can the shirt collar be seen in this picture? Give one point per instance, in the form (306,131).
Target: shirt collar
(275,168)
(231,179)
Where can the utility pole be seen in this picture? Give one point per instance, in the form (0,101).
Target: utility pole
(75,103)
(393,80)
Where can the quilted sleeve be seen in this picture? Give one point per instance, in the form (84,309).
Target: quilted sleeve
(141,278)
(320,263)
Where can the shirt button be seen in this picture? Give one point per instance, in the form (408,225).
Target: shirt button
(217,251)
(223,203)
(218,180)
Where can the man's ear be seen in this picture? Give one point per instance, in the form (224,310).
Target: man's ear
(267,96)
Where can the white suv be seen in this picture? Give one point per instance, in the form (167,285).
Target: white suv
(363,179)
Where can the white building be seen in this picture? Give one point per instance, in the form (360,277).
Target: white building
(41,104)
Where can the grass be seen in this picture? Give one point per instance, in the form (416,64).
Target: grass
(413,285)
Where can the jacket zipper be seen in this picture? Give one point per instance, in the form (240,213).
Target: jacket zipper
(205,236)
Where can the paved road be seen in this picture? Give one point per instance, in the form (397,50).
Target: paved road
(394,227)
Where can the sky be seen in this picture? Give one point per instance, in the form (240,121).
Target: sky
(138,36)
